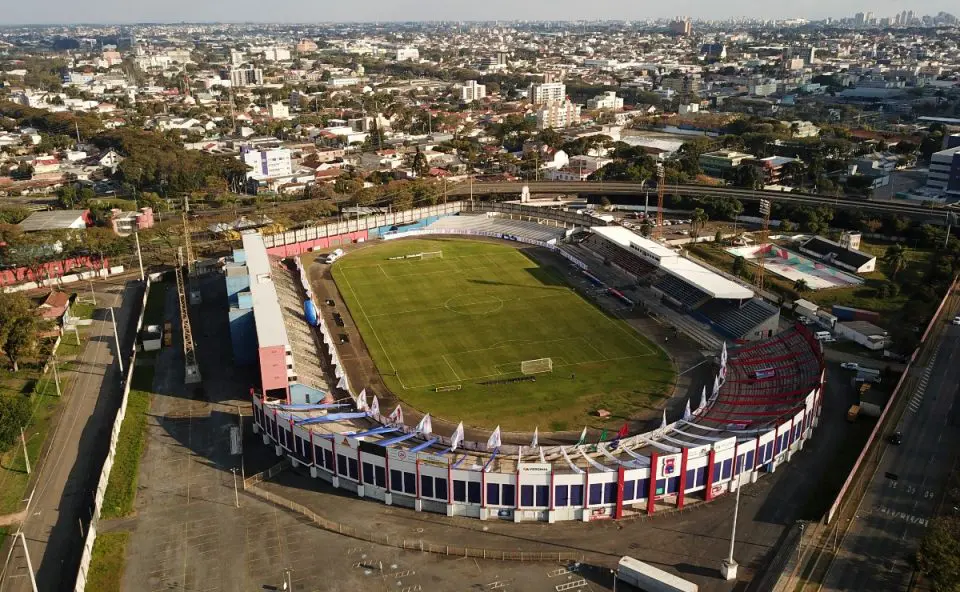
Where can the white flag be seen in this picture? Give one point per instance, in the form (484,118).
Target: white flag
(457,437)
(723,356)
(397,416)
(583,436)
(716,386)
(536,438)
(375,407)
(425,426)
(703,399)
(342,384)
(362,401)
(663,424)
(494,441)
(686,412)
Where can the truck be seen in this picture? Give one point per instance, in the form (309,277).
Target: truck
(868,375)
(651,579)
(853,413)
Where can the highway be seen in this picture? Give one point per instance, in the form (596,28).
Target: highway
(587,188)
(876,552)
(59,511)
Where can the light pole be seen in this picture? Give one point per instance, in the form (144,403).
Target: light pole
(116,340)
(728,569)
(136,237)
(26,455)
(236,494)
(93,295)
(56,374)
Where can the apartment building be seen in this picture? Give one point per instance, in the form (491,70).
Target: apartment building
(471,91)
(547,92)
(558,114)
(944,174)
(608,100)
(408,54)
(267,163)
(246,77)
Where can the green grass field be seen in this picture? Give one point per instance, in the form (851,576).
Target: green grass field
(473,315)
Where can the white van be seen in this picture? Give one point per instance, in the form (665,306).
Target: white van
(822,335)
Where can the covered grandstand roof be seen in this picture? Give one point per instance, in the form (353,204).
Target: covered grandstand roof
(266,304)
(705,280)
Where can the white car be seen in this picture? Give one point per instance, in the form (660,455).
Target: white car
(955,321)
(850,366)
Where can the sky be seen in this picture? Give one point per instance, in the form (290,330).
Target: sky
(304,11)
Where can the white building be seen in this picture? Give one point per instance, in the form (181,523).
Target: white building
(472,91)
(608,100)
(274,162)
(276,54)
(558,114)
(688,108)
(408,54)
(944,174)
(246,77)
(279,111)
(547,92)
(763,88)
(804,129)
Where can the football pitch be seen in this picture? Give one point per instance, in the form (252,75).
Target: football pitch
(472,316)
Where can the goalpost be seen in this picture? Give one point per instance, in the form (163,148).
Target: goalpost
(427,255)
(536,366)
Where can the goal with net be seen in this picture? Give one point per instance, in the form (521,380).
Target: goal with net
(536,366)
(427,255)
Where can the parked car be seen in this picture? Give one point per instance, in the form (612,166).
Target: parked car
(850,366)
(895,438)
(955,321)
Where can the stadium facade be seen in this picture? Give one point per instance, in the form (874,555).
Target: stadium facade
(760,410)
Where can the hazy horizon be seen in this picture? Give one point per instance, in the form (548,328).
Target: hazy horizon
(114,12)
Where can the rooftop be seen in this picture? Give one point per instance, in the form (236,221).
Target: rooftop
(54,220)
(266,305)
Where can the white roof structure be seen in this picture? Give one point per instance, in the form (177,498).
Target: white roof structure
(267,315)
(54,220)
(669,260)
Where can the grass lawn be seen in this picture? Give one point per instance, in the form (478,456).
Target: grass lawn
(473,315)
(82,309)
(13,470)
(107,562)
(121,492)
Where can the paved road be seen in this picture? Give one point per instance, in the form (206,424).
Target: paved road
(902,496)
(69,470)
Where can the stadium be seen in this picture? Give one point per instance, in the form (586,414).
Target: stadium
(448,297)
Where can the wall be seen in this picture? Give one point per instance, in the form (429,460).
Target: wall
(542,492)
(52,270)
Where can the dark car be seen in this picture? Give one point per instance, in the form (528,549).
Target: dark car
(895,438)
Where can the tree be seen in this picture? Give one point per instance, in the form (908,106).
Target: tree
(939,554)
(698,221)
(749,176)
(739,265)
(718,237)
(895,258)
(19,325)
(605,203)
(801,285)
(419,164)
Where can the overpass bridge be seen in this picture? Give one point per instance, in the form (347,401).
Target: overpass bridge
(933,215)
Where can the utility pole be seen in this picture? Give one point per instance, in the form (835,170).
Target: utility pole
(26,554)
(56,374)
(26,455)
(93,294)
(116,340)
(136,237)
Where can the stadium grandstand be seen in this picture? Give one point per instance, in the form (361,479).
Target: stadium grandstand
(726,306)
(762,406)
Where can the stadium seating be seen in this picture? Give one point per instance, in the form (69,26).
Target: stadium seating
(484,224)
(687,295)
(619,257)
(735,320)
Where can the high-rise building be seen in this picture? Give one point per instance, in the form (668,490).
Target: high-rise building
(245,77)
(547,92)
(471,91)
(558,114)
(944,173)
(681,26)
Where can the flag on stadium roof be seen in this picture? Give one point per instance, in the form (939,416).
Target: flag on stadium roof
(425,426)
(583,436)
(624,430)
(375,407)
(603,435)
(703,399)
(723,356)
(536,438)
(397,416)
(687,415)
(343,383)
(663,424)
(362,401)
(494,441)
(457,437)
(716,386)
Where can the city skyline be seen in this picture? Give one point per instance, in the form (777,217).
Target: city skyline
(111,12)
